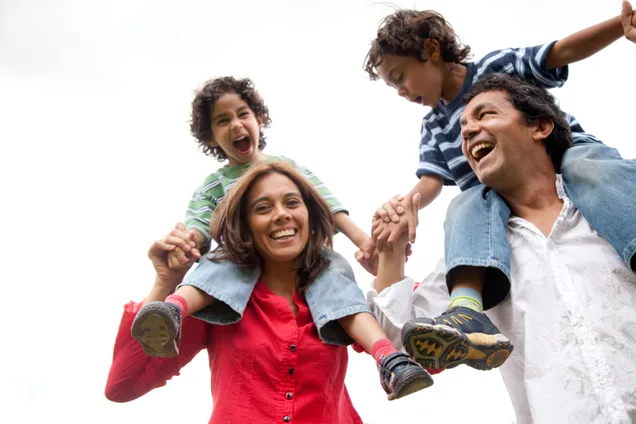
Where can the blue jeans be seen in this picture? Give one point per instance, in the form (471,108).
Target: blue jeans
(333,295)
(598,181)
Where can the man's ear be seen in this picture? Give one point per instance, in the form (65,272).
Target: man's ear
(542,129)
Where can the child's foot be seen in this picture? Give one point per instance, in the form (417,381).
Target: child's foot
(157,327)
(400,375)
(458,336)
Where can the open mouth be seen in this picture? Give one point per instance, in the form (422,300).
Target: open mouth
(417,100)
(481,150)
(284,234)
(242,144)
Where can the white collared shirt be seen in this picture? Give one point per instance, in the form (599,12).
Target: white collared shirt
(571,316)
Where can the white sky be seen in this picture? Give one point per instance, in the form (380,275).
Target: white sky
(97,162)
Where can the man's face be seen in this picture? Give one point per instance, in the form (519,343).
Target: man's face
(496,140)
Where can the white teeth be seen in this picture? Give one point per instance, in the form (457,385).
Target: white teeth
(480,146)
(240,138)
(283,233)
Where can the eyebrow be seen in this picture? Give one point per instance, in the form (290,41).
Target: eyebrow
(266,198)
(475,111)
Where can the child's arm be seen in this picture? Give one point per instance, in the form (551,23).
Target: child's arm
(585,43)
(345,225)
(368,254)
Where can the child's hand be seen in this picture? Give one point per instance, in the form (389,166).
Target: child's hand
(183,255)
(160,249)
(628,20)
(387,233)
(367,256)
(390,210)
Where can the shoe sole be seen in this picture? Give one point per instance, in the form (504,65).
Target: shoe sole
(414,381)
(153,328)
(441,347)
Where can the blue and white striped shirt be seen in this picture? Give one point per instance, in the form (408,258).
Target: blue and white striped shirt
(441,139)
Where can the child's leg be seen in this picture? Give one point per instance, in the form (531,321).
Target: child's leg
(477,256)
(216,292)
(601,184)
(341,315)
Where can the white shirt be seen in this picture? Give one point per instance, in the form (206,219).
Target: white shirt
(571,316)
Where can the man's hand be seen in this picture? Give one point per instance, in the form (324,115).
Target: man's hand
(628,20)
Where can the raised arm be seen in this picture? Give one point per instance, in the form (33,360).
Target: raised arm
(133,373)
(585,43)
(391,261)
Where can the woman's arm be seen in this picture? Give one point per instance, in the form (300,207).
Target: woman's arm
(133,373)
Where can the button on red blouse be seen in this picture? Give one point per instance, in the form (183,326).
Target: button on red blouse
(270,367)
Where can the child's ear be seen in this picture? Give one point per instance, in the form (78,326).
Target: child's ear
(542,129)
(431,50)
(260,122)
(213,143)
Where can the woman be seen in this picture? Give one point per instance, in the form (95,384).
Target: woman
(271,366)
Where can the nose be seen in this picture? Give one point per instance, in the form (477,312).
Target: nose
(236,124)
(403,92)
(281,214)
(470,129)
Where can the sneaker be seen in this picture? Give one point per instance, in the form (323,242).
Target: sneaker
(458,336)
(400,375)
(157,327)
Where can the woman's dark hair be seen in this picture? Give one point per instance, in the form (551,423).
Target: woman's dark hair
(203,106)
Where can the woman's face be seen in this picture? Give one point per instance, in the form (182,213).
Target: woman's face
(277,218)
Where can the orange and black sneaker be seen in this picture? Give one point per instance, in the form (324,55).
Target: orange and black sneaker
(458,336)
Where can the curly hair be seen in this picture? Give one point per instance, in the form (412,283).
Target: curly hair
(534,103)
(203,105)
(404,32)
(229,228)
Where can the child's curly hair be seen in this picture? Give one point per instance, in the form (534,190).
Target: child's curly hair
(203,105)
(403,34)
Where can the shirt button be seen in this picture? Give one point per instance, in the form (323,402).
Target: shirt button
(292,348)
(289,395)
(287,418)
(291,371)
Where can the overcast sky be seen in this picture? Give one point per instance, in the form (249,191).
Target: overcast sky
(96,162)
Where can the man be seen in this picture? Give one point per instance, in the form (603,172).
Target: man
(571,309)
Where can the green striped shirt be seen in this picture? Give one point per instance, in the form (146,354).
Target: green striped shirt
(211,192)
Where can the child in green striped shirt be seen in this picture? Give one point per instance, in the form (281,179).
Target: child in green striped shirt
(228,116)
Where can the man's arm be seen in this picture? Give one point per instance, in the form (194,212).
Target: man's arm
(391,261)
(585,43)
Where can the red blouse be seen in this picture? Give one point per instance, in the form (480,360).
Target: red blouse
(270,367)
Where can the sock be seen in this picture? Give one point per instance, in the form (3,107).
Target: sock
(381,349)
(467,298)
(180,302)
